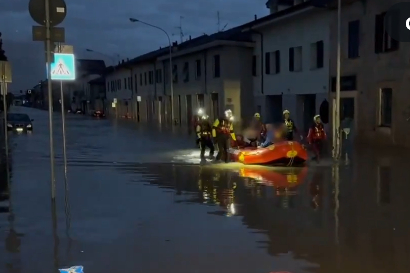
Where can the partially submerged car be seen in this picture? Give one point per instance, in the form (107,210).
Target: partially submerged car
(98,114)
(19,122)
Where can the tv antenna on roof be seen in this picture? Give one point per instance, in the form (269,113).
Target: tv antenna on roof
(219,23)
(181,33)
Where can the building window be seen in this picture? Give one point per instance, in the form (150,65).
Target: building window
(145,78)
(186,72)
(108,86)
(175,74)
(295,59)
(275,62)
(217,66)
(131,85)
(198,69)
(267,63)
(135,82)
(353,39)
(151,77)
(382,41)
(386,104)
(118,84)
(254,65)
(316,55)
(141,79)
(125,83)
(158,76)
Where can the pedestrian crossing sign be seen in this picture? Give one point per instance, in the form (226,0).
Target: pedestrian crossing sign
(63,68)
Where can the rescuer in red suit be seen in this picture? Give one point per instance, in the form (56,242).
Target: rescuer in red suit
(317,137)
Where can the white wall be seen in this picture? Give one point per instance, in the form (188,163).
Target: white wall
(300,30)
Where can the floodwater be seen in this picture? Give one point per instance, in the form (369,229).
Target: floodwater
(139,202)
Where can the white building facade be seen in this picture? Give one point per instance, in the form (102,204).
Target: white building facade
(291,63)
(209,72)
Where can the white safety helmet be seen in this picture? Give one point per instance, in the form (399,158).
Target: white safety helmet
(228,113)
(286,112)
(200,111)
(316,117)
(205,116)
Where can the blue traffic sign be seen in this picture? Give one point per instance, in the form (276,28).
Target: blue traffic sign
(63,68)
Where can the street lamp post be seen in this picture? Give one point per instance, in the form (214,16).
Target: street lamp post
(133,20)
(336,130)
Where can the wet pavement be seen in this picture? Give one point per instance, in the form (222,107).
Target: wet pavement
(139,203)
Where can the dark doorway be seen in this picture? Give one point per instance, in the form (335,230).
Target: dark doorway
(273,110)
(347,108)
(189,109)
(138,111)
(201,100)
(309,110)
(215,105)
(179,109)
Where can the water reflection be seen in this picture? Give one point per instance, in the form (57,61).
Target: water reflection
(337,222)
(12,241)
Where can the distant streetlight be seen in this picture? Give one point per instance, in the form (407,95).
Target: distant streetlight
(133,20)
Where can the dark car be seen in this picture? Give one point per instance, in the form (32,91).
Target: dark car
(19,122)
(98,114)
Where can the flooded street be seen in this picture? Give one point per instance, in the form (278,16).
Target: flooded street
(139,202)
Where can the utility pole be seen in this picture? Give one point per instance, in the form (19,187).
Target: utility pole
(48,14)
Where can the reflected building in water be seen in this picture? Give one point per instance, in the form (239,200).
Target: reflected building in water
(348,219)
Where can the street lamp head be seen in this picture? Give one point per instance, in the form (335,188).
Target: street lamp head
(89,50)
(133,20)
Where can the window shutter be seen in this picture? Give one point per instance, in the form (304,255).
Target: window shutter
(319,54)
(291,59)
(277,61)
(267,63)
(379,31)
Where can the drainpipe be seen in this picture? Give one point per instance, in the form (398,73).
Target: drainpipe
(262,56)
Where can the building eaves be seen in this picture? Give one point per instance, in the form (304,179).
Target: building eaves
(277,15)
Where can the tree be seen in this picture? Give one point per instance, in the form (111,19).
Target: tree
(3,57)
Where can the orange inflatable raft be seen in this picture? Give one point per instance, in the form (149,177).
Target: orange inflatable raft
(276,178)
(285,153)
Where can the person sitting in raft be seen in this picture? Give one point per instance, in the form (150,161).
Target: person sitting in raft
(270,136)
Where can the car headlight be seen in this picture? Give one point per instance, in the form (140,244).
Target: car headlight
(28,125)
(9,125)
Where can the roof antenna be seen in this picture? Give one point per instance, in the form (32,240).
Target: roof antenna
(219,21)
(223,29)
(181,33)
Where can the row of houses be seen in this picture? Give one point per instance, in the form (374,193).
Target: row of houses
(87,93)
(285,60)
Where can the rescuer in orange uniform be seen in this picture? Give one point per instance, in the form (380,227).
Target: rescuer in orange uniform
(222,131)
(317,137)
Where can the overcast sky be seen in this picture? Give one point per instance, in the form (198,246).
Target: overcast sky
(103,26)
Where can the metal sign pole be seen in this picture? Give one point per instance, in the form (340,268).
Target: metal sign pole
(50,99)
(4,90)
(64,131)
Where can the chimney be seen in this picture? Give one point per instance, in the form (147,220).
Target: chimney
(175,43)
(256,17)
(189,37)
(122,61)
(128,59)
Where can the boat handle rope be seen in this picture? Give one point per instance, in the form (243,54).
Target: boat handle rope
(292,158)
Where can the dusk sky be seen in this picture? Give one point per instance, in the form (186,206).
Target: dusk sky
(103,26)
